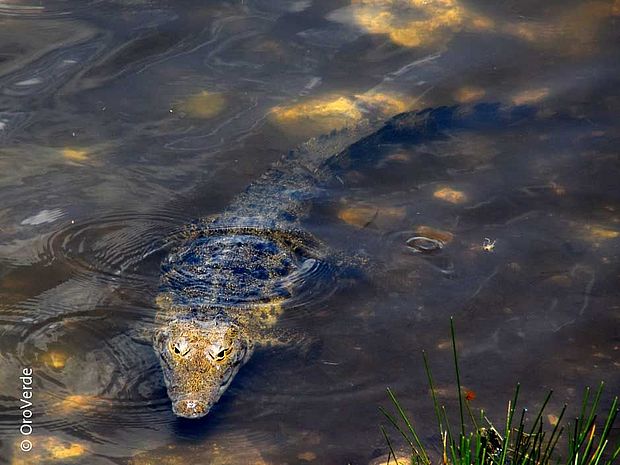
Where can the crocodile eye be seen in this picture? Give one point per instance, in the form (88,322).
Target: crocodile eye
(221,355)
(180,347)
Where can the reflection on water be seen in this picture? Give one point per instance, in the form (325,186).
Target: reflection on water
(413,23)
(325,114)
(122,121)
(574,27)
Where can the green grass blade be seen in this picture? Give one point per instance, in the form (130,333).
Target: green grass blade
(389,443)
(552,439)
(404,417)
(587,444)
(429,377)
(449,434)
(518,441)
(509,416)
(611,418)
(535,425)
(395,424)
(614,456)
(458,375)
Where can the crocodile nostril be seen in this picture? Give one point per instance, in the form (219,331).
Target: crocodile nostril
(190,408)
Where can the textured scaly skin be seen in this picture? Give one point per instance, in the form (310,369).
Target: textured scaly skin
(224,287)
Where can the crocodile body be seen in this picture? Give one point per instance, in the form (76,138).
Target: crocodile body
(224,287)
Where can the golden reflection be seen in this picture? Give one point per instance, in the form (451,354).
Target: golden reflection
(65,451)
(557,189)
(387,104)
(323,114)
(363,214)
(450,195)
(228,451)
(55,359)
(432,23)
(49,449)
(469,94)
(595,234)
(78,402)
(74,154)
(359,217)
(600,232)
(307,456)
(411,23)
(530,96)
(203,105)
(575,31)
(417,23)
(402,458)
(399,157)
(561,280)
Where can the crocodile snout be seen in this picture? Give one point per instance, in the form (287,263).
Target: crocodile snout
(190,408)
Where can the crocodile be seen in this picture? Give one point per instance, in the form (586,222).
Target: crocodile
(225,286)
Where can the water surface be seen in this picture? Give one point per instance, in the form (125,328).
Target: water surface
(121,121)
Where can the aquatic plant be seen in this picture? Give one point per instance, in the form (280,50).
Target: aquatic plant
(521,442)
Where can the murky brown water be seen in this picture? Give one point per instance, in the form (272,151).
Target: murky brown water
(121,121)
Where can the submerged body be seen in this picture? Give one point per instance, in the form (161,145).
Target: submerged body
(233,284)
(224,288)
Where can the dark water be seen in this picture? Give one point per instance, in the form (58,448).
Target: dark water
(121,121)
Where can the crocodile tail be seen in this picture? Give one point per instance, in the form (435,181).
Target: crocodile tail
(424,126)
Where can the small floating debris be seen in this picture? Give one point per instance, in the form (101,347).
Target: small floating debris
(552,419)
(424,244)
(450,195)
(427,231)
(488,245)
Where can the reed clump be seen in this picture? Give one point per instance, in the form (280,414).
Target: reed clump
(519,441)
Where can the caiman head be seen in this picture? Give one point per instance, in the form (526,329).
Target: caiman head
(199,359)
